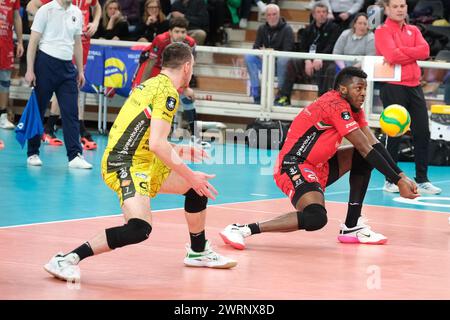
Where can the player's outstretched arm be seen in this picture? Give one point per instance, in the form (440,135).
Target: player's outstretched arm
(158,143)
(377,145)
(371,155)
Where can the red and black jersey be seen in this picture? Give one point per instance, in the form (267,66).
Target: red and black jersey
(7,8)
(155,51)
(317,131)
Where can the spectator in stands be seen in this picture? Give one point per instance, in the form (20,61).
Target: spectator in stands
(166,6)
(51,70)
(403,44)
(319,37)
(90,27)
(216,11)
(10,17)
(246,6)
(356,41)
(153,22)
(130,11)
(275,34)
(113,25)
(343,11)
(196,12)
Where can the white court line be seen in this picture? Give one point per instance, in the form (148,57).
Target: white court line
(419,201)
(223,205)
(119,214)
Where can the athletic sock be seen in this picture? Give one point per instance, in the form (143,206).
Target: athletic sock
(254,228)
(353,214)
(84,251)
(198,241)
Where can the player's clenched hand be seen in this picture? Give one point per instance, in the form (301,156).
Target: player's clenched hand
(412,184)
(406,189)
(201,185)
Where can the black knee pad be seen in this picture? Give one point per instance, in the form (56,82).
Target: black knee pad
(313,217)
(194,203)
(135,231)
(359,165)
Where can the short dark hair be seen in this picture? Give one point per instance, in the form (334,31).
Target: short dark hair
(319,4)
(346,75)
(178,22)
(175,55)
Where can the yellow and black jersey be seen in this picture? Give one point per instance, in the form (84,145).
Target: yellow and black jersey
(155,98)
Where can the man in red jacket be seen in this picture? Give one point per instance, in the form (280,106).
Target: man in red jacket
(403,44)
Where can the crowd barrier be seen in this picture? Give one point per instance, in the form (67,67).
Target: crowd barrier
(113,63)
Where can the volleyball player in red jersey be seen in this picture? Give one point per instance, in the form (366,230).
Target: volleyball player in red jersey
(311,159)
(9,19)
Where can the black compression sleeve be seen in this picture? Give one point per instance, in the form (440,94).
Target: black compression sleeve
(378,162)
(382,150)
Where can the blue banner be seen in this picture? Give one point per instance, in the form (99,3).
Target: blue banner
(95,69)
(119,67)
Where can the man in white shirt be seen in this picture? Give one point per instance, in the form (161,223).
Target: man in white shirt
(57,28)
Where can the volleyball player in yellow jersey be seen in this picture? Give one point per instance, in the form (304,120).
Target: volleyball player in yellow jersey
(139,162)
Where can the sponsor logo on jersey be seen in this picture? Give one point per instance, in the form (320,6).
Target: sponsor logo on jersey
(171,103)
(123,173)
(310,175)
(141,175)
(293,171)
(306,144)
(351,124)
(346,115)
(143,185)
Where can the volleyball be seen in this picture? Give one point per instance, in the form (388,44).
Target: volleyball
(395,120)
(115,73)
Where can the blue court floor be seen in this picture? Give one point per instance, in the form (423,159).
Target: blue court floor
(54,192)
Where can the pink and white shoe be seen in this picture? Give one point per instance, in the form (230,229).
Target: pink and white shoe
(361,233)
(234,235)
